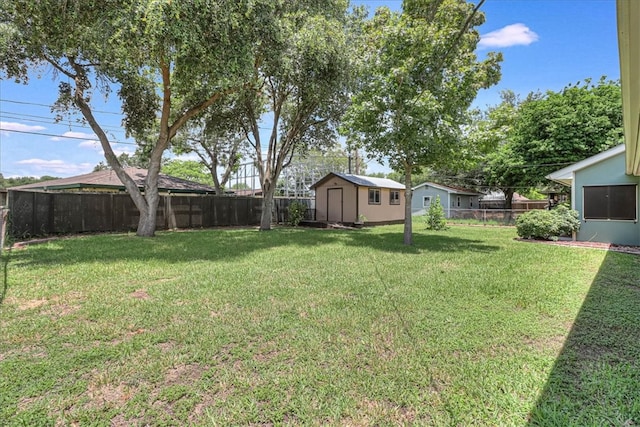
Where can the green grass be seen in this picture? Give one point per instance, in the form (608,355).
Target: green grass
(317,327)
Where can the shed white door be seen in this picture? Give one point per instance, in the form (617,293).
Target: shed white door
(334,205)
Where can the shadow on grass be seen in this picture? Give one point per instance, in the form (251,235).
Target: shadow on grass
(596,377)
(393,242)
(228,244)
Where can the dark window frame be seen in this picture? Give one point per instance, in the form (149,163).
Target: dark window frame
(376,199)
(616,202)
(394,197)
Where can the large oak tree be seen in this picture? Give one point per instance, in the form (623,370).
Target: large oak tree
(168,61)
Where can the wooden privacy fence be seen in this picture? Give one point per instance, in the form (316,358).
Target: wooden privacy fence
(41,213)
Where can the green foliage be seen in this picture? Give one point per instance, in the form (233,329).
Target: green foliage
(545,132)
(548,224)
(302,75)
(419,75)
(170,61)
(136,160)
(564,127)
(188,169)
(23,180)
(435,217)
(296,210)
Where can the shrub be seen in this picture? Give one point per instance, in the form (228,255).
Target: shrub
(297,210)
(435,217)
(548,225)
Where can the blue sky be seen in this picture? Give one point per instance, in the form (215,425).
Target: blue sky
(547,44)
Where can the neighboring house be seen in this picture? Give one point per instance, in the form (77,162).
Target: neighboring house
(496,200)
(108,181)
(605,197)
(451,198)
(347,198)
(604,187)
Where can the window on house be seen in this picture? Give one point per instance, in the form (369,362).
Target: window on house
(616,202)
(426,201)
(394,197)
(374,196)
(458,201)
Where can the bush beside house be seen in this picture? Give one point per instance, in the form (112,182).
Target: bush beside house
(548,225)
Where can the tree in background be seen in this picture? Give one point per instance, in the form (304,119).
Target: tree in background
(216,138)
(496,165)
(23,180)
(435,217)
(168,61)
(301,77)
(523,141)
(126,160)
(561,128)
(191,170)
(419,76)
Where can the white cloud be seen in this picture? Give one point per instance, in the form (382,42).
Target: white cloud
(93,144)
(187,157)
(511,35)
(119,149)
(39,167)
(6,127)
(75,135)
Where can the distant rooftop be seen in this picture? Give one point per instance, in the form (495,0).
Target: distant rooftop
(107,179)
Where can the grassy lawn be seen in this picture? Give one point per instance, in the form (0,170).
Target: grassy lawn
(317,327)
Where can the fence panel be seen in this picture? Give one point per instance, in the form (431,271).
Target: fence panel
(41,213)
(125,214)
(97,212)
(67,213)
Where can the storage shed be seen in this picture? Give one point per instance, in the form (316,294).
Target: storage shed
(349,199)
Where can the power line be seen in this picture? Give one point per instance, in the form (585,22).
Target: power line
(49,121)
(62,136)
(12,101)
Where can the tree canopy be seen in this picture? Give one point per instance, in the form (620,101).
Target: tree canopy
(167,61)
(561,128)
(300,88)
(419,76)
(525,140)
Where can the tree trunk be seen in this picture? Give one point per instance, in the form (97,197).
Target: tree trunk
(408,223)
(508,198)
(267,206)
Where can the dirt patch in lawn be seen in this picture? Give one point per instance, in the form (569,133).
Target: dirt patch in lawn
(140,294)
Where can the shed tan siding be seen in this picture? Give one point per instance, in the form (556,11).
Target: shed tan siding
(355,202)
(384,211)
(348,208)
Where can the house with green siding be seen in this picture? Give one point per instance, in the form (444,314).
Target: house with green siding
(605,197)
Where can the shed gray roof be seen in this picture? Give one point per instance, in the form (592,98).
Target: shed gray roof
(109,179)
(363,181)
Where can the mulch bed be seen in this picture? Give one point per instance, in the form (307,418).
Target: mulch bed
(635,250)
